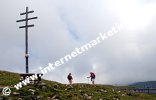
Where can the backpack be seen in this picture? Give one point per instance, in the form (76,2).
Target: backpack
(92,75)
(69,77)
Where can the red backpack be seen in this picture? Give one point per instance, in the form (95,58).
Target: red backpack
(69,77)
(92,75)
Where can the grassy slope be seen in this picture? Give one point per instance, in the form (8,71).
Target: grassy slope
(65,92)
(8,78)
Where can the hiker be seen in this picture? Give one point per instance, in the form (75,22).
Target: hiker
(92,76)
(70,78)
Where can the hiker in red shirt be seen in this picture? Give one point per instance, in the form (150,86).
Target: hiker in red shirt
(92,76)
(70,78)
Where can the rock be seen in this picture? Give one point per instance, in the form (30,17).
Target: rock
(43,83)
(101,90)
(105,91)
(32,93)
(38,97)
(123,95)
(48,98)
(15,93)
(116,98)
(31,90)
(55,97)
(44,88)
(86,96)
(89,97)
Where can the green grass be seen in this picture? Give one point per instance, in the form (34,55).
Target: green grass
(8,78)
(65,92)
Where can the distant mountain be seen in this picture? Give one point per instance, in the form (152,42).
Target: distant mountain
(147,84)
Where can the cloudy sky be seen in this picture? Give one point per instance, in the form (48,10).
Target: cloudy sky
(63,25)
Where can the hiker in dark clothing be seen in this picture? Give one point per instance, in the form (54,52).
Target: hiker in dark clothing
(92,76)
(70,78)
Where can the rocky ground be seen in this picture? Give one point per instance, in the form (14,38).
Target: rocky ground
(49,90)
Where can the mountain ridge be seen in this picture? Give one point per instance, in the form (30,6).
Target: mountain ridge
(145,84)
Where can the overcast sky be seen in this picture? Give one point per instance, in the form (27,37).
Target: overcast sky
(63,25)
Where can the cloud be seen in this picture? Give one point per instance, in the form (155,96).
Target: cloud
(64,25)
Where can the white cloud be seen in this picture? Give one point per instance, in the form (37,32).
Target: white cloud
(124,58)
